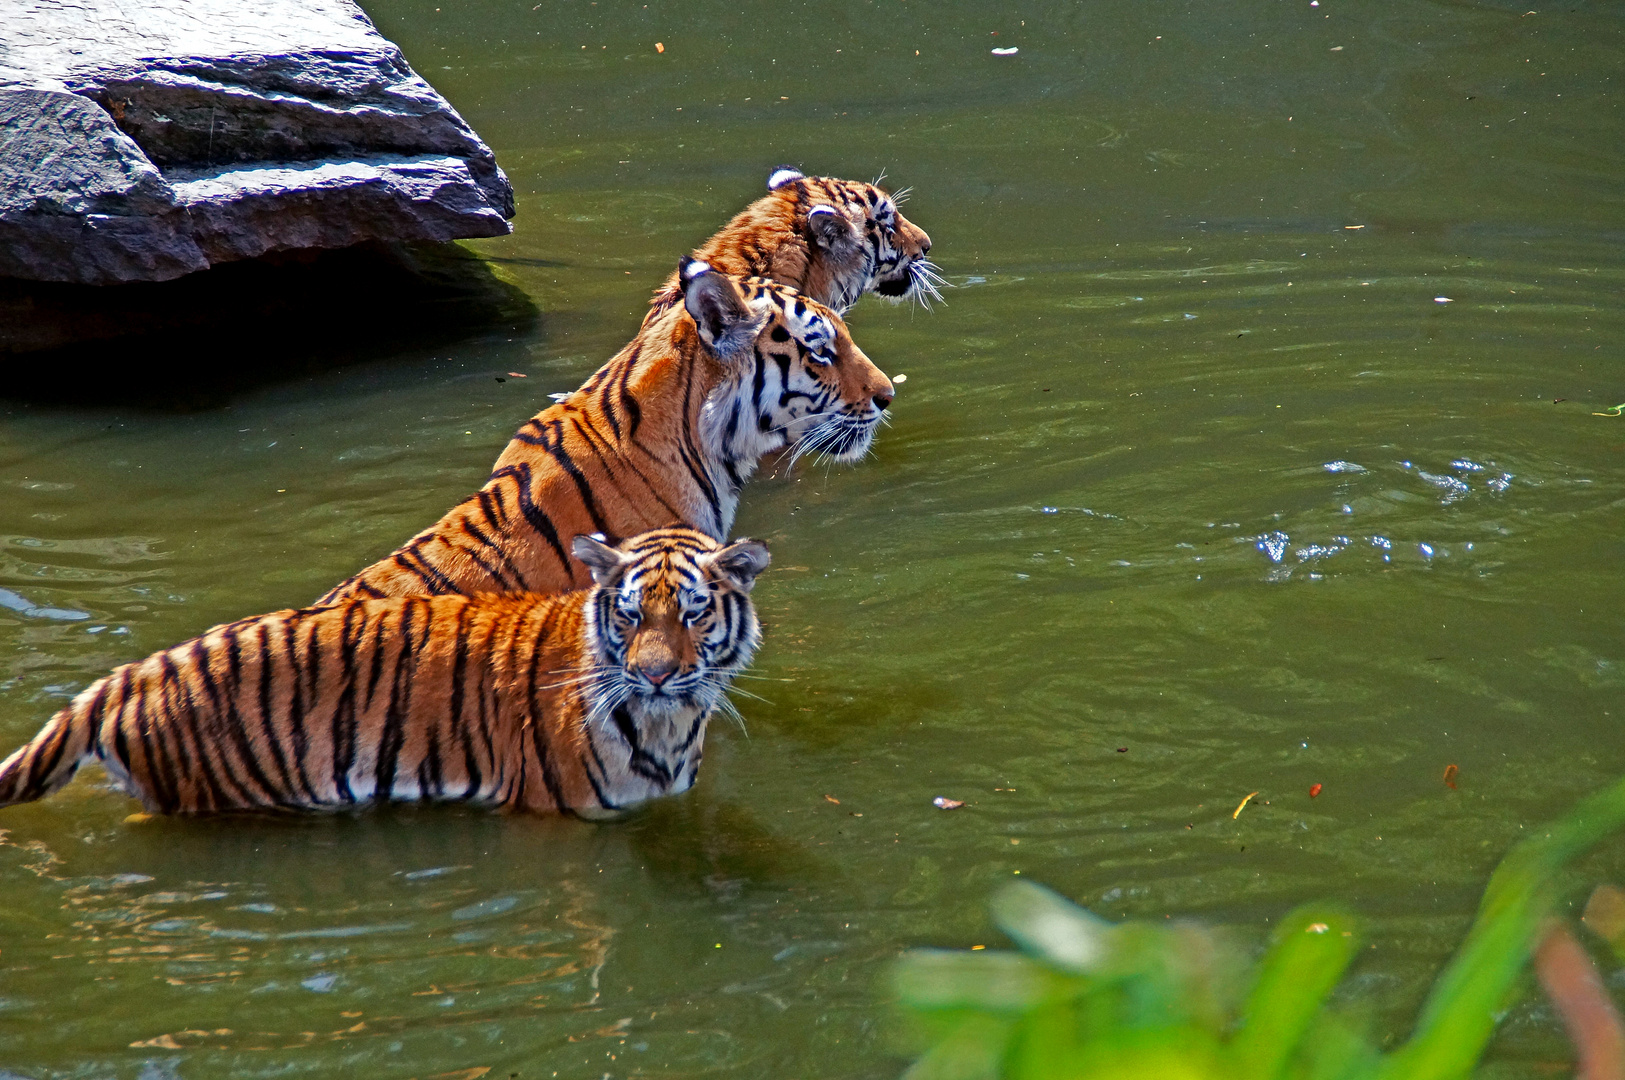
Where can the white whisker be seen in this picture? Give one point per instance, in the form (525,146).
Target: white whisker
(728,709)
(747,693)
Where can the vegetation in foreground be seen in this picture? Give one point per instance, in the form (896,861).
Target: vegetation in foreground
(1085,998)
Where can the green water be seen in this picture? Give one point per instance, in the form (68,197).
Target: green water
(1192,490)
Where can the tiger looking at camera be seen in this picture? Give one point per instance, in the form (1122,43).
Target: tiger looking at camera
(585,703)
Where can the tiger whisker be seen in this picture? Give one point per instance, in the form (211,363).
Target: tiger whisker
(728,709)
(747,693)
(813,442)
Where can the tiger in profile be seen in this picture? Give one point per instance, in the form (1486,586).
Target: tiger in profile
(668,431)
(584,703)
(830,239)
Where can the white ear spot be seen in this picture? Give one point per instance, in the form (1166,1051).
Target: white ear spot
(782,176)
(695,269)
(600,537)
(815,211)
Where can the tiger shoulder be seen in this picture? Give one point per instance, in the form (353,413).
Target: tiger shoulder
(670,429)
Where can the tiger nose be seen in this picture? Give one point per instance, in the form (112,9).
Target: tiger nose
(925,242)
(882,399)
(658,671)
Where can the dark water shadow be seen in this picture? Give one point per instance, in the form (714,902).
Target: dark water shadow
(195,342)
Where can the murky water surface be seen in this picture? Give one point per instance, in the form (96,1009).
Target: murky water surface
(1257,448)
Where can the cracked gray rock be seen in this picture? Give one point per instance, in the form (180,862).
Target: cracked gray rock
(141,140)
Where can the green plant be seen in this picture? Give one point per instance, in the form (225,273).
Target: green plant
(1085,998)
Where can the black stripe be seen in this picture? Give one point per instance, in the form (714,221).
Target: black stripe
(526,435)
(434,582)
(299,748)
(533,514)
(454,707)
(508,575)
(228,727)
(229,646)
(554,447)
(623,387)
(594,439)
(163,792)
(538,733)
(597,788)
(344,725)
(393,735)
(211,759)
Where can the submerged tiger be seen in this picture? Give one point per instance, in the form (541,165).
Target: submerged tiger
(585,703)
(668,431)
(831,239)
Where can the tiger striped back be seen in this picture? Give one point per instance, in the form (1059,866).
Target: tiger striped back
(831,239)
(584,703)
(668,431)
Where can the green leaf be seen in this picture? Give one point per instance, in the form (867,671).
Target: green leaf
(1312,948)
(973,1050)
(936,979)
(1460,1013)
(1049,926)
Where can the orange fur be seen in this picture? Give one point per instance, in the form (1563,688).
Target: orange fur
(778,236)
(560,703)
(667,431)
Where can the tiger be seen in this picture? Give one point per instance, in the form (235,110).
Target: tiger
(585,703)
(832,239)
(667,432)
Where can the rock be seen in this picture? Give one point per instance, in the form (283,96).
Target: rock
(147,139)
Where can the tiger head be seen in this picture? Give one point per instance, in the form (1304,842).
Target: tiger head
(857,240)
(792,374)
(669,620)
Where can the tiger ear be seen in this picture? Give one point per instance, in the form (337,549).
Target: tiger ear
(738,563)
(604,561)
(725,321)
(784,174)
(830,230)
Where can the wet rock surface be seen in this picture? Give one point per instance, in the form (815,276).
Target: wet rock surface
(144,141)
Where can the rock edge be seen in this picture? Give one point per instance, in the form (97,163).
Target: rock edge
(146,141)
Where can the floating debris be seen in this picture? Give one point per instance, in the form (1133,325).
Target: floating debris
(833,799)
(1005,52)
(1450,773)
(1314,791)
(942,802)
(1242,806)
